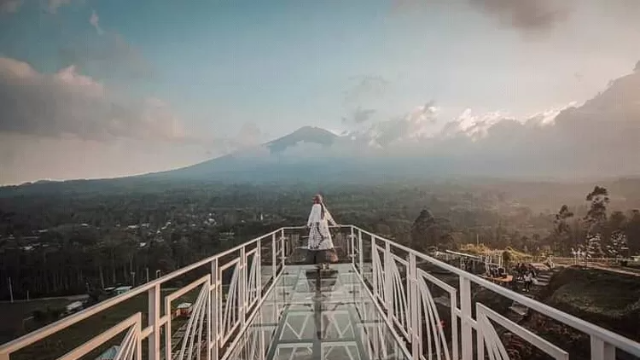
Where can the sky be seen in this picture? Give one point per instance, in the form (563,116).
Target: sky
(92,89)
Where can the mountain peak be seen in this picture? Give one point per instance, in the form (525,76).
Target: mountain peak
(311,131)
(306,134)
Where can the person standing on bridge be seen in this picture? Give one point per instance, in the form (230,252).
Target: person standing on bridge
(320,247)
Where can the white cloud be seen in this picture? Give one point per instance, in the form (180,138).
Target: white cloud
(67,102)
(598,138)
(248,136)
(472,125)
(420,123)
(94,20)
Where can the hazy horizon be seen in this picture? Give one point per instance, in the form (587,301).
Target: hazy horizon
(97,89)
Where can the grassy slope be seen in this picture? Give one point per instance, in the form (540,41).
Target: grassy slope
(604,298)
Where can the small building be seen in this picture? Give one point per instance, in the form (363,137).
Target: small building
(184,309)
(74,306)
(226,236)
(110,353)
(121,290)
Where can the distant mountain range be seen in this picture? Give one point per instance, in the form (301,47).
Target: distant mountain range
(598,139)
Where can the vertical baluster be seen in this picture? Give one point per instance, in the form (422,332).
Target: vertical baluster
(600,350)
(352,249)
(283,248)
(216,308)
(167,330)
(242,285)
(209,318)
(467,330)
(455,344)
(414,307)
(361,252)
(388,280)
(258,270)
(154,321)
(273,257)
(376,266)
(480,342)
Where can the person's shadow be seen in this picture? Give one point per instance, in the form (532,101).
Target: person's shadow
(322,282)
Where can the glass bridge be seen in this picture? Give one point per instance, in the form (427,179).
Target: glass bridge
(258,301)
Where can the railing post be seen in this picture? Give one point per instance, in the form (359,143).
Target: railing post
(361,252)
(258,270)
(274,259)
(209,316)
(351,243)
(600,350)
(283,248)
(215,305)
(414,306)
(465,307)
(153,299)
(376,276)
(388,280)
(242,285)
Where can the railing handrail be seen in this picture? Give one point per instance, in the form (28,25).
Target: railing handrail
(608,336)
(32,337)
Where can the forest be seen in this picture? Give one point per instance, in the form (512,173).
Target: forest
(72,242)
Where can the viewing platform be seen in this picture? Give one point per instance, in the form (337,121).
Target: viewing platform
(258,301)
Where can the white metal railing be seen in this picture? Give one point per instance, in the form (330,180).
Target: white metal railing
(220,310)
(402,290)
(404,293)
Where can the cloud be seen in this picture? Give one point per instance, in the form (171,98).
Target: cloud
(94,20)
(359,116)
(248,136)
(107,53)
(69,103)
(598,138)
(13,6)
(366,88)
(359,100)
(526,14)
(54,5)
(530,17)
(419,123)
(10,6)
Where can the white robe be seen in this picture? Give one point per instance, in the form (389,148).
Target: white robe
(319,235)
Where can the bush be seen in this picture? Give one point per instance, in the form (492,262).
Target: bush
(39,316)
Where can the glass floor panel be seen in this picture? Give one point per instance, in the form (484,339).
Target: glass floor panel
(318,315)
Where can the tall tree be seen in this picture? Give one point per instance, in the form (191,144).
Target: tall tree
(633,232)
(427,232)
(594,246)
(617,247)
(562,230)
(597,214)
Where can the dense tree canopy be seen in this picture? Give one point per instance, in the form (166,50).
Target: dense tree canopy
(61,242)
